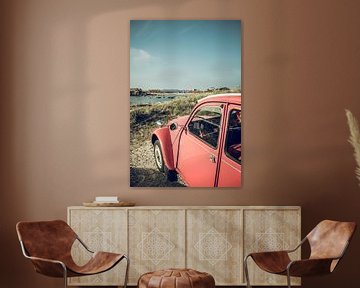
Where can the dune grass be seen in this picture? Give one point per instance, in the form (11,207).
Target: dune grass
(143,117)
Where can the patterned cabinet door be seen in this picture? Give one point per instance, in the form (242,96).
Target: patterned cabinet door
(214,244)
(101,230)
(271,230)
(156,240)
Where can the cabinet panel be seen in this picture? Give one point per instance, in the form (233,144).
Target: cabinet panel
(270,230)
(209,239)
(156,240)
(214,244)
(101,230)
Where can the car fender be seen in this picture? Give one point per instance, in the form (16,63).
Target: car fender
(163,135)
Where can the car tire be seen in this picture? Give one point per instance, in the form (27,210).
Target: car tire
(159,161)
(158,155)
(171,175)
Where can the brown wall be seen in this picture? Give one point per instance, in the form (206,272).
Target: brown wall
(64,112)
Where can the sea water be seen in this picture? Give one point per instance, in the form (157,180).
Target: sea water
(153,99)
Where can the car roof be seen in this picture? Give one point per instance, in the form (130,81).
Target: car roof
(226,98)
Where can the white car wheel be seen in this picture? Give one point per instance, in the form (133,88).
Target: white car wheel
(158,156)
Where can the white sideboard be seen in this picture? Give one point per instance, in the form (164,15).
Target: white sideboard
(211,239)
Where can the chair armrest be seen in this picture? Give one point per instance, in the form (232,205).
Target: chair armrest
(83,244)
(298,246)
(48,267)
(268,254)
(309,267)
(271,261)
(281,251)
(46,260)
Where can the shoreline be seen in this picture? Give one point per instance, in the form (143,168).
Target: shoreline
(162,97)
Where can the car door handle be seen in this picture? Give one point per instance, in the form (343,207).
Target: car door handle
(212,158)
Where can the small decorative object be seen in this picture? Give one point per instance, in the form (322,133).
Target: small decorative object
(108,201)
(120,204)
(354,140)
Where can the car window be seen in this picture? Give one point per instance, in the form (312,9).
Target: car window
(233,136)
(205,125)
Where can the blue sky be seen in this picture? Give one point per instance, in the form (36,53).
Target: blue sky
(185,54)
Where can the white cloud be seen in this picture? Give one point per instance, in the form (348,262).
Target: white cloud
(139,55)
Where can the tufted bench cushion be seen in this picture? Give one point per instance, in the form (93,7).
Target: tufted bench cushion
(176,278)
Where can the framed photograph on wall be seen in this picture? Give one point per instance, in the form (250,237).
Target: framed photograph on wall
(185,103)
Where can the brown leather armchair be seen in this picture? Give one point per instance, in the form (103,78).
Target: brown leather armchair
(328,242)
(48,245)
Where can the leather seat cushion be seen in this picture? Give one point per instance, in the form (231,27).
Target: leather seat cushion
(176,278)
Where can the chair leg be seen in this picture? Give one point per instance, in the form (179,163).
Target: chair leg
(127,270)
(288,279)
(65,276)
(246,270)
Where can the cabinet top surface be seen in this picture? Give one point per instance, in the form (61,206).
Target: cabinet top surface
(193,207)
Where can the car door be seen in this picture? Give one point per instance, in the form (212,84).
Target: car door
(230,164)
(199,145)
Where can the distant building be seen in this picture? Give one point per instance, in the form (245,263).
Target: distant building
(136,92)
